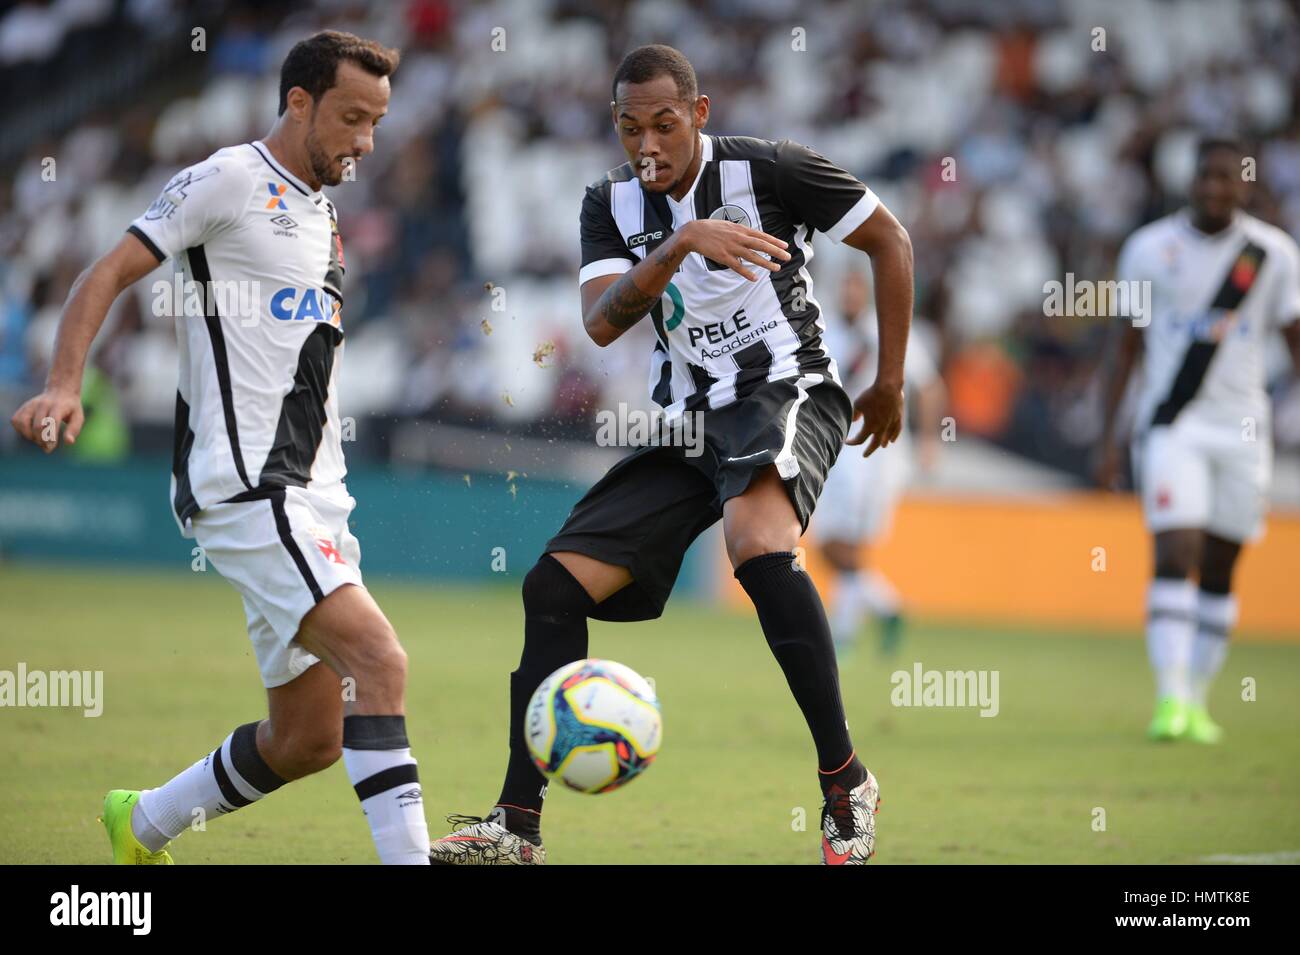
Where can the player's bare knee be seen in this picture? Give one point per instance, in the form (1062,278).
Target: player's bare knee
(371,656)
(841,555)
(1173,570)
(747,544)
(1174,567)
(319,751)
(1216,576)
(381,659)
(1218,560)
(1178,555)
(297,745)
(306,753)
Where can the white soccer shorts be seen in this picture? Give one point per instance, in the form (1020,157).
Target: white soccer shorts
(1208,476)
(858,501)
(284,553)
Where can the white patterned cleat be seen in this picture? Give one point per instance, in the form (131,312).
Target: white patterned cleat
(849,823)
(484,841)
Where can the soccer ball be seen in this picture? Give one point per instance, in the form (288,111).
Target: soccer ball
(593,725)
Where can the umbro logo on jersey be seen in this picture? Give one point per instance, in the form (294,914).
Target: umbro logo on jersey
(731,213)
(284,225)
(641,238)
(410,797)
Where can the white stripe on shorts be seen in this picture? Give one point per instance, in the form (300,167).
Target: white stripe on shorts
(787,462)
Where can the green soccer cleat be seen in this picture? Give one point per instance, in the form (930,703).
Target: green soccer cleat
(127,849)
(844,649)
(1169,721)
(1200,728)
(891,634)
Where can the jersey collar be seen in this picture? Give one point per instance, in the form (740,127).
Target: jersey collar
(706,155)
(285,174)
(1233,229)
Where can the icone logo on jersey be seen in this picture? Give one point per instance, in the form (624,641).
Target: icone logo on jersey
(304,304)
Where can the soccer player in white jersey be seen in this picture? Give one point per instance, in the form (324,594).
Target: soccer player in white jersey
(709,236)
(1221,283)
(857,504)
(257,475)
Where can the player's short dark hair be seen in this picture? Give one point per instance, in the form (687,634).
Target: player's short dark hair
(313,63)
(647,62)
(1210,144)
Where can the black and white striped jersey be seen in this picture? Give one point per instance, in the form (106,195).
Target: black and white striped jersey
(720,337)
(258,327)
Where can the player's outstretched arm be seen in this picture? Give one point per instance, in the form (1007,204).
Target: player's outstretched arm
(889,247)
(611,304)
(1291,333)
(39,419)
(1127,351)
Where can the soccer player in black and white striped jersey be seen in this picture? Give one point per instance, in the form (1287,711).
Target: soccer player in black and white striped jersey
(710,237)
(257,476)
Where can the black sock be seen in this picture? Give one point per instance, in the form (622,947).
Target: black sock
(522,822)
(248,761)
(794,623)
(555,633)
(849,776)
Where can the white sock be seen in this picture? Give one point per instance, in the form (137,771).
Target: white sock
(383,774)
(1216,616)
(1171,627)
(230,777)
(850,604)
(150,836)
(882,598)
(857,593)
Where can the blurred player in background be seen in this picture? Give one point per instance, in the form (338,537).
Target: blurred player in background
(710,237)
(857,504)
(257,476)
(1221,283)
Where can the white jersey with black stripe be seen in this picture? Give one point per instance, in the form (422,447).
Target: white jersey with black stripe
(1214,302)
(718,336)
(258,307)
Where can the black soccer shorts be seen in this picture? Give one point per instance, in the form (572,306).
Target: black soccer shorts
(648,508)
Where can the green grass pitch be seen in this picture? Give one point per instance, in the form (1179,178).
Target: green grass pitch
(735,775)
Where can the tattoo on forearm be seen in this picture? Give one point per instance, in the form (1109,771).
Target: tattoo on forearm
(623,304)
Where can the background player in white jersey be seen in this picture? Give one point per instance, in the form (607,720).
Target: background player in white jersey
(258,471)
(857,504)
(708,236)
(1221,284)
